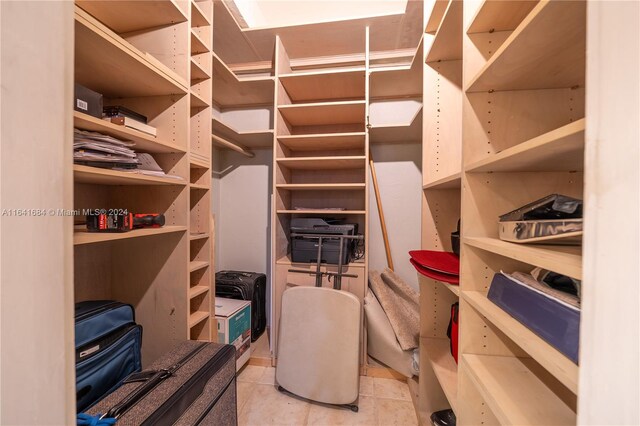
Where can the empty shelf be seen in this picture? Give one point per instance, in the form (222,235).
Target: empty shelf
(325,85)
(321,186)
(197,290)
(229,90)
(198,101)
(323,163)
(447,44)
(324,113)
(81,236)
(398,133)
(198,16)
(515,394)
(503,15)
(444,366)
(198,72)
(398,82)
(561,149)
(197,317)
(546,51)
(110,65)
(447,182)
(127,16)
(323,141)
(200,236)
(198,45)
(248,138)
(197,264)
(323,212)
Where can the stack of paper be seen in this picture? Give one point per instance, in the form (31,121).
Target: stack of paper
(96,149)
(148,166)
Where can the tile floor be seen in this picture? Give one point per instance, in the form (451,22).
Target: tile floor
(383,402)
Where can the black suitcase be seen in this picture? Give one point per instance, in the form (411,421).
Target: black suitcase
(246,286)
(108,343)
(194,384)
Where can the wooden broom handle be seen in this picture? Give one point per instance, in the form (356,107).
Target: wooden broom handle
(381,213)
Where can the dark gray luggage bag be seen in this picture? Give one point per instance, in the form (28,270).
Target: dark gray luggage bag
(194,384)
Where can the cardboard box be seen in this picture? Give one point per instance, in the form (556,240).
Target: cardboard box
(234,326)
(87,101)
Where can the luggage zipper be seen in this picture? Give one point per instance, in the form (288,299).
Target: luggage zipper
(215,363)
(210,406)
(102,308)
(149,384)
(94,347)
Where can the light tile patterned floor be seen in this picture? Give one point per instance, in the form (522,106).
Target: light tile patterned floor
(383,402)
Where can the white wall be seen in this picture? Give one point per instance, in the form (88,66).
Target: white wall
(398,169)
(609,350)
(37,371)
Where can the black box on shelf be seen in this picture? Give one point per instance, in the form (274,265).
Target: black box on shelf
(87,101)
(551,319)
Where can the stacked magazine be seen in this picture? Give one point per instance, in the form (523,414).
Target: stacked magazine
(98,150)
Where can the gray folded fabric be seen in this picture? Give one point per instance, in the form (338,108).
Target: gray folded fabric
(401,305)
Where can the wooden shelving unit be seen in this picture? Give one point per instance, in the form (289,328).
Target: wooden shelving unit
(515,84)
(398,133)
(507,374)
(202,325)
(246,139)
(137,55)
(398,81)
(320,157)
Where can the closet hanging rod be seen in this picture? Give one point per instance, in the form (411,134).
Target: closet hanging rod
(228,144)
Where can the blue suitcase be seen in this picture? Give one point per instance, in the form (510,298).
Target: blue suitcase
(108,343)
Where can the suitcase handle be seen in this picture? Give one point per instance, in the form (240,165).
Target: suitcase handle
(151,378)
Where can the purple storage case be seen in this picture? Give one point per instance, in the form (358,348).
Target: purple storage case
(550,319)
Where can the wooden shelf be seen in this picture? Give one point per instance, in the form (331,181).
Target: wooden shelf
(197,264)
(398,82)
(561,367)
(503,15)
(197,317)
(455,289)
(199,186)
(561,149)
(323,212)
(200,236)
(546,51)
(324,113)
(515,394)
(321,186)
(198,101)
(447,44)
(249,139)
(447,182)
(286,260)
(197,44)
(325,85)
(128,16)
(225,143)
(197,290)
(566,260)
(81,236)
(108,64)
(323,163)
(323,141)
(400,133)
(197,72)
(144,142)
(444,366)
(96,175)
(231,91)
(198,17)
(198,163)
(435,18)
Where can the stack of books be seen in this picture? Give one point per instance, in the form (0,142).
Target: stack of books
(125,117)
(98,150)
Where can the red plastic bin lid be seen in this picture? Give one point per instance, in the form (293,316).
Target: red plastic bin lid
(438,276)
(439,261)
